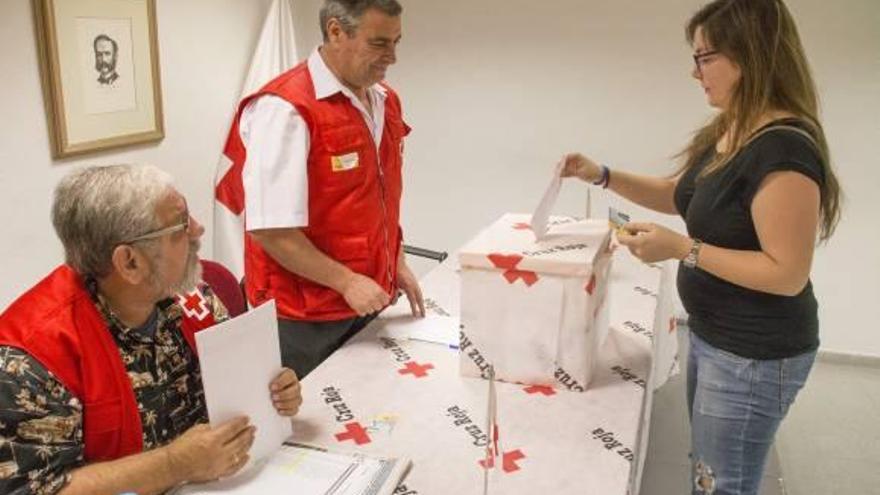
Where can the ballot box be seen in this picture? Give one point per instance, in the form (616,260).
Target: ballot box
(536,312)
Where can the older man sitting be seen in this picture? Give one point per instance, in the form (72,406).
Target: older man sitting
(100,389)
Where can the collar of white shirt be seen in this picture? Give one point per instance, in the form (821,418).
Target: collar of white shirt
(326,84)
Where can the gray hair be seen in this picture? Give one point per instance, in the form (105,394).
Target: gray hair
(97,208)
(349,12)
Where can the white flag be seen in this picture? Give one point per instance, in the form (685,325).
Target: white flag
(275,53)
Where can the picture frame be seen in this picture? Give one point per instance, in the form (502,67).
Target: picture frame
(99,63)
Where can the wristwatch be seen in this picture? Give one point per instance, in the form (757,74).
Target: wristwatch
(690,260)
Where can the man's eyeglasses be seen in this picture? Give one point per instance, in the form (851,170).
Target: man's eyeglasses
(155,234)
(701,59)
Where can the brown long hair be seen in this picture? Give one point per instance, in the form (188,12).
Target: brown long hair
(760,36)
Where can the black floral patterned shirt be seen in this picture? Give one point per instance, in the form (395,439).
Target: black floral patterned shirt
(41,428)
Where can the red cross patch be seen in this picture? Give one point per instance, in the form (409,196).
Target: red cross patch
(508,263)
(416,369)
(194,304)
(540,389)
(508,461)
(354,431)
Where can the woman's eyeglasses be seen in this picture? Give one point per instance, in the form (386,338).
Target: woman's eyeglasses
(701,59)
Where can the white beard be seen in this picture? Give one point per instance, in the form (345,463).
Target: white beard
(192,274)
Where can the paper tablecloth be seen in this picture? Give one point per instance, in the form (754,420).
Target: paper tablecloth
(396,397)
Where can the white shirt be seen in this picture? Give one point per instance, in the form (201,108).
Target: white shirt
(275,174)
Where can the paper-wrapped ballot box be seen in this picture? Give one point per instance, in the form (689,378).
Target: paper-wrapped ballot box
(536,311)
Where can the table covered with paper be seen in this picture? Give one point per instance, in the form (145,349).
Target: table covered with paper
(386,394)
(398,389)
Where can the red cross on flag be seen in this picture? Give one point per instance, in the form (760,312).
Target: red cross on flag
(275,53)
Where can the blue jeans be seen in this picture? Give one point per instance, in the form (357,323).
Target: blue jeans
(736,405)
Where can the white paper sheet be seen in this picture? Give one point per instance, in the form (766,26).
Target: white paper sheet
(239,358)
(542,213)
(304,470)
(432,328)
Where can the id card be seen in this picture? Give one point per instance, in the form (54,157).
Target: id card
(344,162)
(617,219)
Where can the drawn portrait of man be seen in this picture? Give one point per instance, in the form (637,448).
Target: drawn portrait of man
(108,81)
(106,55)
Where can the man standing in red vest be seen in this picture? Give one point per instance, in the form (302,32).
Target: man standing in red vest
(317,157)
(100,388)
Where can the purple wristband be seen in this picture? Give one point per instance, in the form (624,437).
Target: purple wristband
(603,179)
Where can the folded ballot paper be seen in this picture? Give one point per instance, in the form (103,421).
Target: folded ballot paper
(437,329)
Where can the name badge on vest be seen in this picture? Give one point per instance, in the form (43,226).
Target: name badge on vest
(345,162)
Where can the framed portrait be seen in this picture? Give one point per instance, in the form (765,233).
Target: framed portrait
(100,69)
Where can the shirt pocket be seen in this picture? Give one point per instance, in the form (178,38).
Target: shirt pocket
(342,162)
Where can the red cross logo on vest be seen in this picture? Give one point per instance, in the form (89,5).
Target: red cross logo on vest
(354,431)
(508,461)
(540,389)
(194,304)
(416,369)
(508,263)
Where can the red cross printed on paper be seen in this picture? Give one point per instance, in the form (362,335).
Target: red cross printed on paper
(540,389)
(508,461)
(194,304)
(508,264)
(671,324)
(354,431)
(591,285)
(416,369)
(522,226)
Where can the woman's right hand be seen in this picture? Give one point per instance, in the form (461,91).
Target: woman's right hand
(577,165)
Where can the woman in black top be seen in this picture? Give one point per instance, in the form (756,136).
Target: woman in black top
(756,190)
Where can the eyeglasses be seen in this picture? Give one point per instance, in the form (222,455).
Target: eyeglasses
(701,59)
(155,234)
(184,226)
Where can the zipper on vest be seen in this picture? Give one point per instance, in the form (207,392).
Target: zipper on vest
(384,218)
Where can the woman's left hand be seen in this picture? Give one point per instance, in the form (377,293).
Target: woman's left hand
(650,242)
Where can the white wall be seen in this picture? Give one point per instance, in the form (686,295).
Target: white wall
(205,46)
(496,91)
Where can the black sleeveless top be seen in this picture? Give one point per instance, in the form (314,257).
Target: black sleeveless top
(717,210)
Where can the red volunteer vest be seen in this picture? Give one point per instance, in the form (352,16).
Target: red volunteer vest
(56,322)
(354,199)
